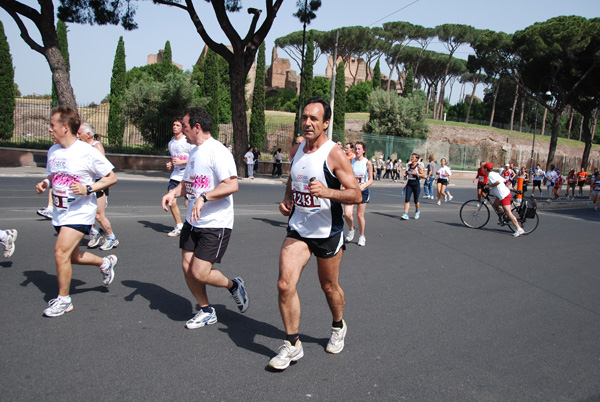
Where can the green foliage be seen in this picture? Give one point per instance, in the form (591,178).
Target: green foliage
(285,101)
(394,115)
(116,120)
(377,76)
(409,83)
(322,87)
(357,97)
(212,88)
(309,61)
(257,119)
(152,104)
(7,88)
(167,61)
(339,106)
(63,43)
(198,79)
(479,111)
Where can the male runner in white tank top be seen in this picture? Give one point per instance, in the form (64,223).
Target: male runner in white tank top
(313,201)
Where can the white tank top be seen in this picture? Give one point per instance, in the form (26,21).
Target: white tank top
(360,170)
(314,217)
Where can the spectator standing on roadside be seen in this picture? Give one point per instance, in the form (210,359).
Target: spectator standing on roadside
(278,161)
(380,164)
(256,154)
(550,177)
(525,176)
(249,159)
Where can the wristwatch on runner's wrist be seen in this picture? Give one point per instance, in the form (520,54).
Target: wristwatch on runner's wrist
(89,190)
(203,195)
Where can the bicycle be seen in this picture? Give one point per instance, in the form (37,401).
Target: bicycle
(476,214)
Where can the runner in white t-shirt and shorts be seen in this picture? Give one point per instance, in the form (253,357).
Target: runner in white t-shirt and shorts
(180,150)
(73,167)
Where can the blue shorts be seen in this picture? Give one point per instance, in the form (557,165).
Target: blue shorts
(172,184)
(85,229)
(365,196)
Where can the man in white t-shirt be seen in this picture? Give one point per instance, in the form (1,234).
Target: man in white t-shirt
(497,187)
(551,177)
(72,167)
(180,150)
(209,180)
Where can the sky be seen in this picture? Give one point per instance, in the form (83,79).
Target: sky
(92,48)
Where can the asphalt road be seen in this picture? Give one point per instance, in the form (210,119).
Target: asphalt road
(435,311)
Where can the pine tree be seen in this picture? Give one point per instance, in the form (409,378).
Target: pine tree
(167,61)
(116,122)
(307,76)
(61,32)
(212,81)
(339,114)
(7,88)
(257,119)
(377,76)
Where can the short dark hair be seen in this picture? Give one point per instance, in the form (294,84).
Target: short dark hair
(68,116)
(199,116)
(326,106)
(178,119)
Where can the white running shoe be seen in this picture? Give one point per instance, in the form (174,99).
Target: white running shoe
(287,354)
(446,198)
(201,319)
(417,214)
(109,244)
(336,341)
(94,239)
(519,232)
(45,212)
(57,308)
(175,232)
(362,241)
(450,197)
(350,235)
(239,295)
(439,202)
(404,216)
(109,273)
(9,243)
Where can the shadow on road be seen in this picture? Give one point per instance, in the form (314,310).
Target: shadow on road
(48,284)
(175,307)
(157,227)
(272,222)
(6,264)
(242,330)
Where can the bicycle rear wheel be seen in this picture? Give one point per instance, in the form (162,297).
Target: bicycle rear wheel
(528,224)
(474,214)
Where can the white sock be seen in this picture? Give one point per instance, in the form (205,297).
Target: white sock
(179,226)
(105,263)
(65,299)
(3,235)
(111,236)
(94,231)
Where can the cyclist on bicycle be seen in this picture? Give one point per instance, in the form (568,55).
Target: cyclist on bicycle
(503,196)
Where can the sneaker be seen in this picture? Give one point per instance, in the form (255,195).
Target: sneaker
(336,341)
(175,232)
(595,209)
(109,244)
(446,198)
(109,273)
(9,243)
(94,239)
(45,212)
(201,319)
(519,232)
(362,240)
(239,295)
(450,197)
(417,214)
(439,202)
(350,235)
(405,216)
(287,354)
(549,200)
(57,308)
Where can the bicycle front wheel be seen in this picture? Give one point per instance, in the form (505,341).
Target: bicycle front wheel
(528,224)
(474,214)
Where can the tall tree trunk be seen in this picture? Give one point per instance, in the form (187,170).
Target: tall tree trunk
(580,129)
(237,78)
(514,107)
(554,138)
(495,97)
(571,125)
(544,121)
(595,122)
(522,114)
(471,101)
(60,77)
(587,138)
